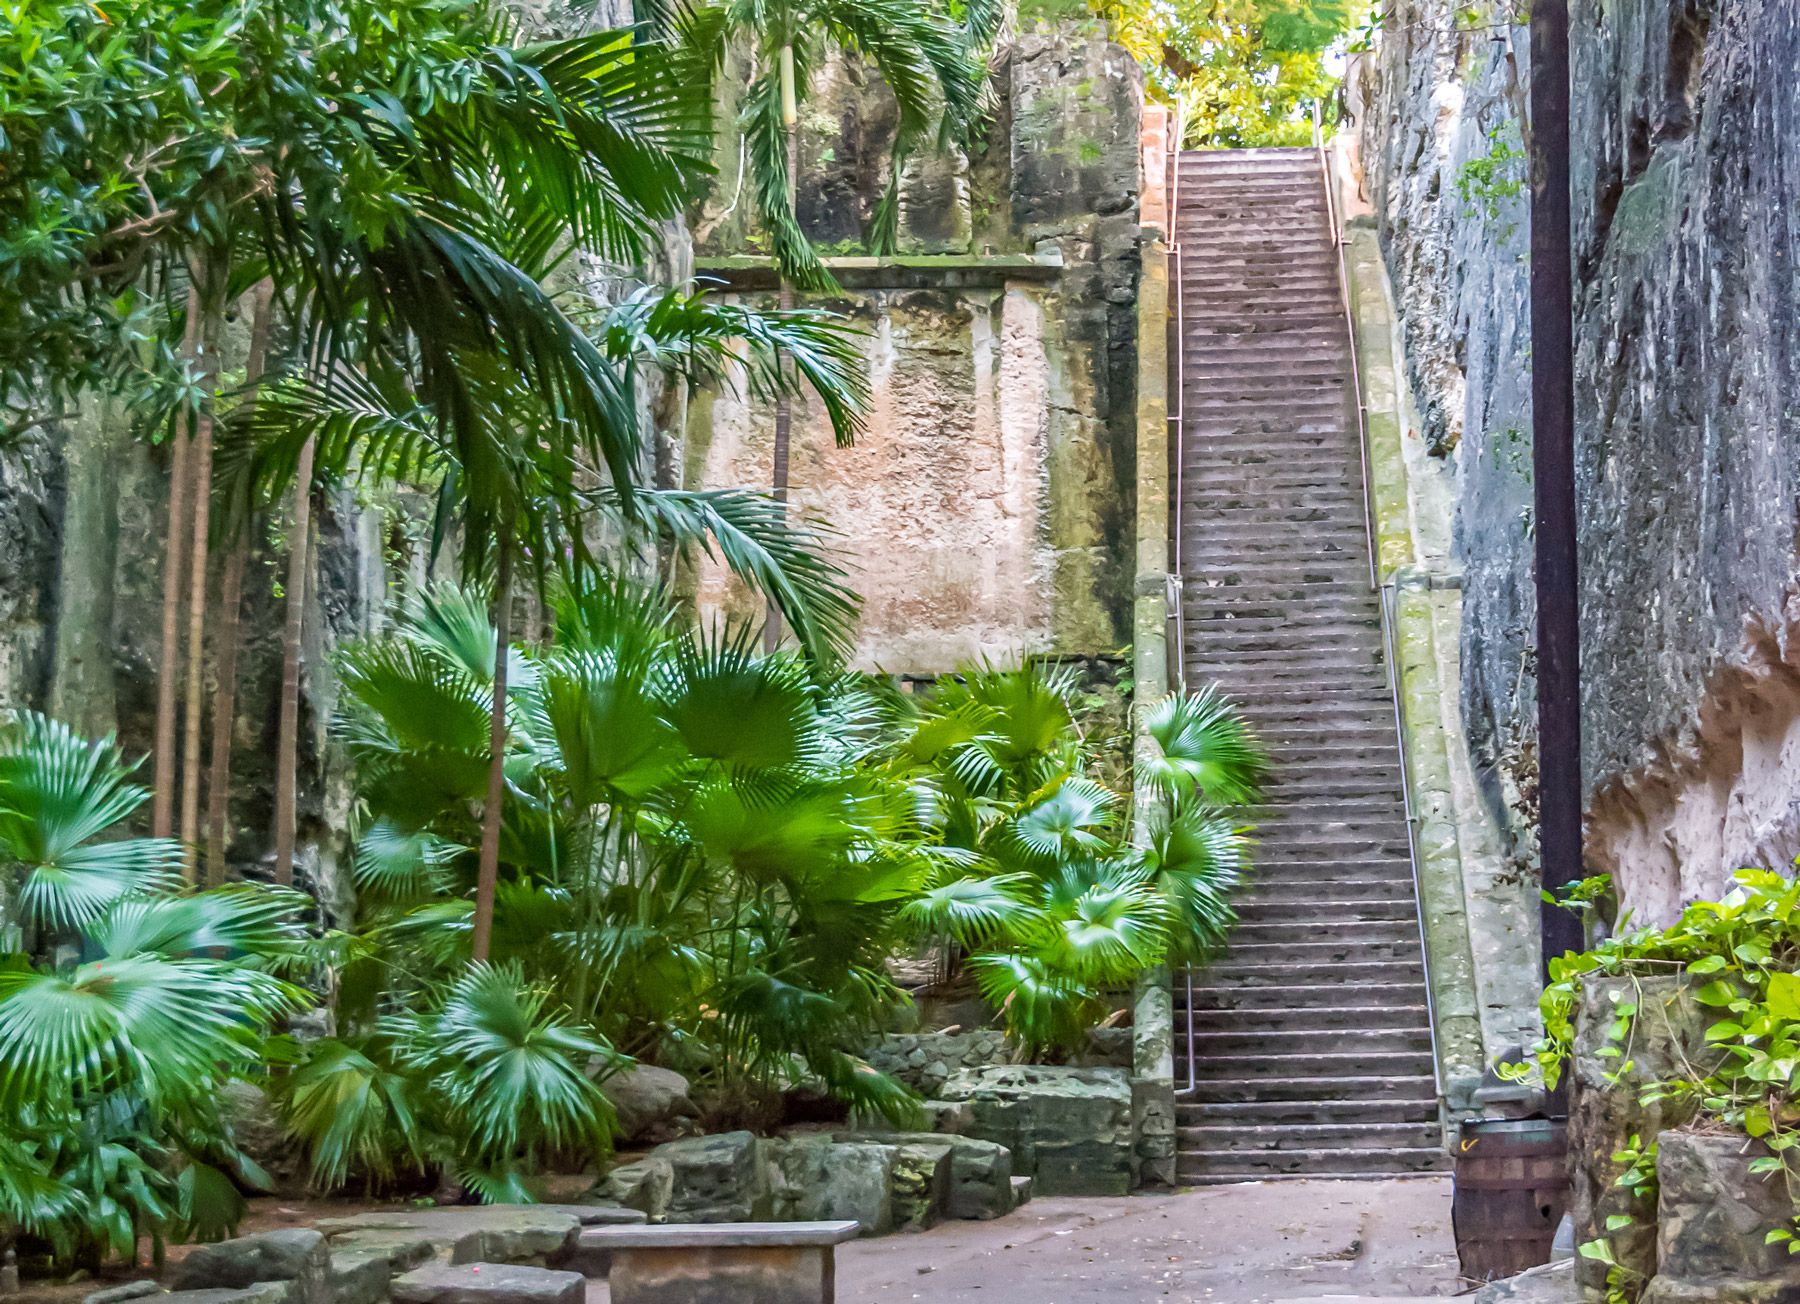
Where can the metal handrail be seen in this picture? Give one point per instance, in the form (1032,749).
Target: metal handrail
(1177,416)
(1385,591)
(1177,271)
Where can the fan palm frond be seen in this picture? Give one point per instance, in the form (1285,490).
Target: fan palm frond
(973,911)
(59,795)
(1204,747)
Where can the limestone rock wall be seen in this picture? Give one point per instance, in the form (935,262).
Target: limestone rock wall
(1688,336)
(83,525)
(987,510)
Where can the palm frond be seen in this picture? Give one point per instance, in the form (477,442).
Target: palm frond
(1203,747)
(973,911)
(59,795)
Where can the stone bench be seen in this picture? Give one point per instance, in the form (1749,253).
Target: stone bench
(705,1263)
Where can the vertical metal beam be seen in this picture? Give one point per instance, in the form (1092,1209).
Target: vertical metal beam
(1553,457)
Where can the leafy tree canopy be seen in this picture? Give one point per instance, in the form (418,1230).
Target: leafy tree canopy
(1244,72)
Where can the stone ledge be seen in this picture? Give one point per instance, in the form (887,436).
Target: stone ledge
(680,1235)
(921,272)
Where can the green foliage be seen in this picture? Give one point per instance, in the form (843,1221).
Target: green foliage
(59,794)
(1489,186)
(1241,73)
(931,55)
(1741,955)
(111,1066)
(1041,885)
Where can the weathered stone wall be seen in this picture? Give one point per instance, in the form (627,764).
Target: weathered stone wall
(986,511)
(83,528)
(1687,339)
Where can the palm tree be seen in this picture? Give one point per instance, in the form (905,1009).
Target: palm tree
(110,1069)
(515,483)
(935,68)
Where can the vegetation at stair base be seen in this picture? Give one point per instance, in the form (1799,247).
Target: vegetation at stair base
(710,858)
(1415,593)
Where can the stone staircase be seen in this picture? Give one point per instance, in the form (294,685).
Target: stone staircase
(1311,1039)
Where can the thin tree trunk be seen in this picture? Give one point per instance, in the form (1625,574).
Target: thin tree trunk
(194,703)
(488,873)
(162,808)
(287,743)
(218,783)
(784,403)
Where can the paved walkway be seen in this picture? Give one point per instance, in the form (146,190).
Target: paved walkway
(1259,1243)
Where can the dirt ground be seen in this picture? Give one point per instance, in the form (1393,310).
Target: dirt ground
(1259,1243)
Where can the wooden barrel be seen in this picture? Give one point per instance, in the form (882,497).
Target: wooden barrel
(1512,1189)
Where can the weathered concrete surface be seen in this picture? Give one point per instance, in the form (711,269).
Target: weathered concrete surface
(1688,464)
(987,509)
(1479,917)
(1251,1244)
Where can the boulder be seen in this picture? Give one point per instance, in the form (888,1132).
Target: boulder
(817,1179)
(1712,1220)
(1069,1129)
(652,1104)
(981,1172)
(644,1185)
(262,1292)
(488,1283)
(715,1179)
(295,1257)
(122,1292)
(920,1184)
(256,1127)
(493,1233)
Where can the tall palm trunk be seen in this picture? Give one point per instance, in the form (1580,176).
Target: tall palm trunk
(784,403)
(488,870)
(231,594)
(287,740)
(162,808)
(200,502)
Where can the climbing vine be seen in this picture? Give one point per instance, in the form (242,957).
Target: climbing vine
(1740,955)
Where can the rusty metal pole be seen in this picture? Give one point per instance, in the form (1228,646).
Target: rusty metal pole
(1553,458)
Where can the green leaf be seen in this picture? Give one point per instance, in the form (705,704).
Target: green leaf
(1784,995)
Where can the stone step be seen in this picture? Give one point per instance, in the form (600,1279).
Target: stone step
(1320,955)
(1254,1040)
(1230,973)
(1322,926)
(1277,874)
(1303,995)
(1259,1137)
(1359,1087)
(1275,1113)
(1396,908)
(1308,1020)
(1198,1167)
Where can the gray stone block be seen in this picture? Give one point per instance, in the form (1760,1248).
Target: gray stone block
(122,1292)
(814,1178)
(921,1184)
(1068,1128)
(715,1179)
(495,1233)
(297,1257)
(1712,1220)
(488,1283)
